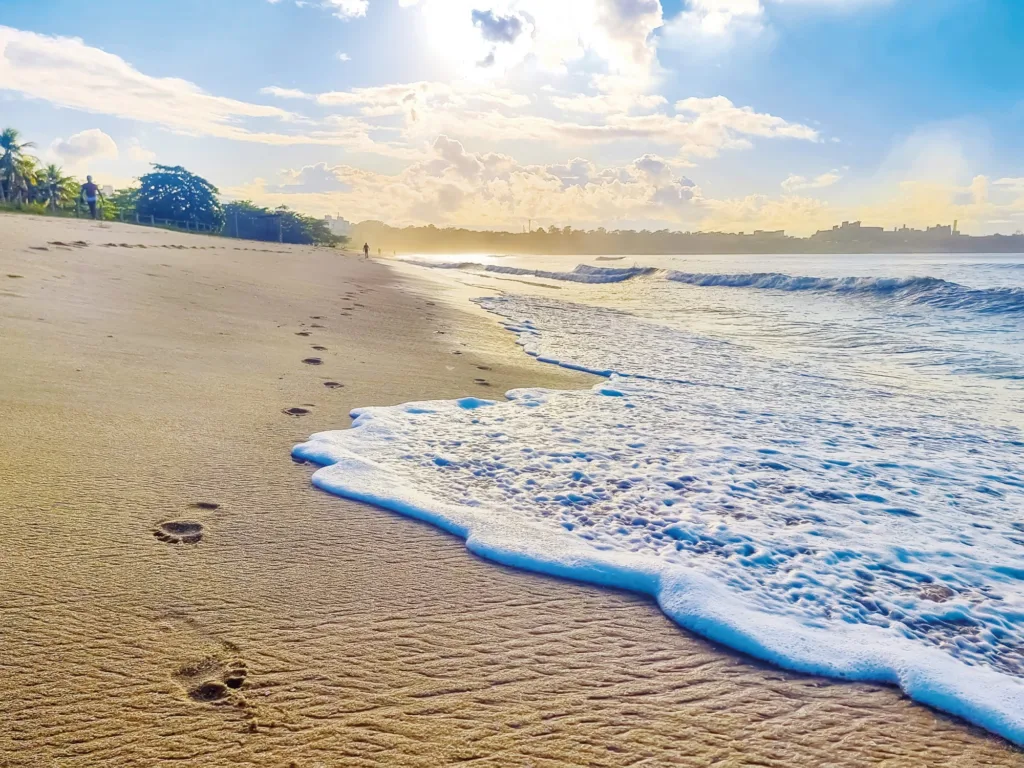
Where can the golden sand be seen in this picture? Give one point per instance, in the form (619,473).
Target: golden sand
(143,393)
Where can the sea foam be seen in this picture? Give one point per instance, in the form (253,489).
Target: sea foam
(815,521)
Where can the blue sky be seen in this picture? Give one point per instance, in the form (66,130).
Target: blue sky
(686,114)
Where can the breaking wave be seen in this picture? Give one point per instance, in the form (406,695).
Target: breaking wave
(916,290)
(931,291)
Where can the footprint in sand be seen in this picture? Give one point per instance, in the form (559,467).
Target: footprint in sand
(320,349)
(484,368)
(212,679)
(16,277)
(313,361)
(333,384)
(37,248)
(303,333)
(179,531)
(483,382)
(296,411)
(184,531)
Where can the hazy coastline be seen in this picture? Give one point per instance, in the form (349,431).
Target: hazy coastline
(847,238)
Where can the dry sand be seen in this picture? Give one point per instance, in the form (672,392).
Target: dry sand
(145,385)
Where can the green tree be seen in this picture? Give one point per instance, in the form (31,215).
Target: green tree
(125,200)
(56,189)
(247,220)
(171,192)
(12,157)
(26,179)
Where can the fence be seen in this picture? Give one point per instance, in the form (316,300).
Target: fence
(265,227)
(153,221)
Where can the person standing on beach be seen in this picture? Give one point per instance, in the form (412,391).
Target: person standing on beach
(90,194)
(366,250)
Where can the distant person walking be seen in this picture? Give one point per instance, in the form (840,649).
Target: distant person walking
(91,195)
(366,250)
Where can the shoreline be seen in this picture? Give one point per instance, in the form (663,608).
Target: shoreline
(147,381)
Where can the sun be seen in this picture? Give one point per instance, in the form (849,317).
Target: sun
(449,35)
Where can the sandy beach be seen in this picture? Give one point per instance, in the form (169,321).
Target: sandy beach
(172,587)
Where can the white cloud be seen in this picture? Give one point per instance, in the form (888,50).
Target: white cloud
(343,9)
(284,93)
(724,21)
(68,73)
(554,35)
(85,147)
(312,178)
(453,185)
(716,18)
(407,98)
(342,56)
(719,114)
(613,101)
(140,154)
(1015,185)
(472,110)
(795,183)
(347,9)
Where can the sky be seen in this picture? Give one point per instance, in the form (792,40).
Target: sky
(729,115)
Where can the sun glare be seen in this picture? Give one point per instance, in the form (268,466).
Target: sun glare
(447,27)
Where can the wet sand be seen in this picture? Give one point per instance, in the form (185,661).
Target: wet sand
(172,588)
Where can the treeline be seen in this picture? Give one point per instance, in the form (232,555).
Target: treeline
(175,195)
(168,195)
(568,241)
(28,184)
(563,240)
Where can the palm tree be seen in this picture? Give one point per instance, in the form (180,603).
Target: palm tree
(55,188)
(12,149)
(26,179)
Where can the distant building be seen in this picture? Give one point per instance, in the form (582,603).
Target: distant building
(848,230)
(107,191)
(338,225)
(769,233)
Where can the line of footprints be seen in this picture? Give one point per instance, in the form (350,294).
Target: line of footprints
(315,361)
(214,678)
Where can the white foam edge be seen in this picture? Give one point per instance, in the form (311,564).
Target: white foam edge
(857,652)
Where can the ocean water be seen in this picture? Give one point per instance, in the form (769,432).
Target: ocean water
(815,460)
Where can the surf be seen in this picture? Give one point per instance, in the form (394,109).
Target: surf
(826,524)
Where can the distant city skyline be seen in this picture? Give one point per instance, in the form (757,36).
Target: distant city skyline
(682,114)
